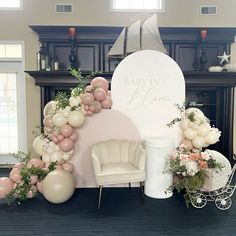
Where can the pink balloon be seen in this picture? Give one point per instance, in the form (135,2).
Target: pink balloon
(86,107)
(97,106)
(107,103)
(60,137)
(109,93)
(6,186)
(35,162)
(99,94)
(39,187)
(15,175)
(87,98)
(18,166)
(33,179)
(74,136)
(88,89)
(66,145)
(91,108)
(55,140)
(89,113)
(59,167)
(188,143)
(68,167)
(100,82)
(66,130)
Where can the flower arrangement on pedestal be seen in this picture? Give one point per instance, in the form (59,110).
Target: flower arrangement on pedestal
(189,163)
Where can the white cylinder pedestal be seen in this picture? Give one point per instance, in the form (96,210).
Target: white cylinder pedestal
(158,180)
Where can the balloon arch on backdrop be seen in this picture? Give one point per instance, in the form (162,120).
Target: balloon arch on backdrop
(52,174)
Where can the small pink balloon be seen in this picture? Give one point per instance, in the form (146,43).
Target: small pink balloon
(74,136)
(86,107)
(60,137)
(88,89)
(87,98)
(66,145)
(109,93)
(55,140)
(188,143)
(18,165)
(97,106)
(89,113)
(39,187)
(66,130)
(59,167)
(6,186)
(15,175)
(99,94)
(107,103)
(68,167)
(35,162)
(33,179)
(100,82)
(91,108)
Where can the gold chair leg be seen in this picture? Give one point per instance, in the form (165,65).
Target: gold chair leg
(142,191)
(100,196)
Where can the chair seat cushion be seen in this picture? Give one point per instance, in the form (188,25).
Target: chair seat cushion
(117,173)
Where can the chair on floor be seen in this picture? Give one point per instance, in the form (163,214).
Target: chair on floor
(118,162)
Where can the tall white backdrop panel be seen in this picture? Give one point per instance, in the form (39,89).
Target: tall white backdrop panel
(146,86)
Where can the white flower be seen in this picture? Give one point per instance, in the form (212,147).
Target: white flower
(205,156)
(192,168)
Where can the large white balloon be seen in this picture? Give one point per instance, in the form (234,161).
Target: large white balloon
(76,119)
(198,142)
(203,130)
(211,138)
(49,108)
(39,145)
(184,124)
(58,186)
(59,120)
(190,133)
(56,156)
(74,101)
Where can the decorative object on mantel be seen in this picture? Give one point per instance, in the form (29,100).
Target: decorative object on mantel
(224,58)
(215,69)
(73,57)
(43,57)
(203,57)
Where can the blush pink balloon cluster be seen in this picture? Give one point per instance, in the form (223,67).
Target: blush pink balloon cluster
(15,180)
(96,96)
(197,131)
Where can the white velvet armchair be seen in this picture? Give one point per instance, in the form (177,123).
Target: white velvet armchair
(117,162)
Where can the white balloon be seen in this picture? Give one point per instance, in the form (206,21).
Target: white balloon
(66,156)
(194,126)
(211,138)
(46,158)
(57,148)
(74,101)
(56,156)
(198,142)
(203,130)
(190,133)
(50,150)
(76,119)
(66,113)
(39,144)
(59,120)
(184,124)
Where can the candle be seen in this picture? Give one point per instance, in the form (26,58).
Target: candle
(203,34)
(72,32)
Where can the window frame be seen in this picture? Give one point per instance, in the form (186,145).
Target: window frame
(111,9)
(6,159)
(13,8)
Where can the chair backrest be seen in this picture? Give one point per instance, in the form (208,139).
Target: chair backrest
(115,151)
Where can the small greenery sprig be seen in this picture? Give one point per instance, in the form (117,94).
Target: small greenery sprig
(181,109)
(38,132)
(62,99)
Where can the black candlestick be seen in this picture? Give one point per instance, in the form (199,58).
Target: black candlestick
(203,57)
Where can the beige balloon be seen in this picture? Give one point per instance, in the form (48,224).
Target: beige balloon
(76,119)
(58,186)
(38,145)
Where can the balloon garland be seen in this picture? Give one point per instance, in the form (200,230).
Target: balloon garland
(51,175)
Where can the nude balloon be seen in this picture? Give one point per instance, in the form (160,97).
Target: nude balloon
(100,82)
(66,130)
(99,94)
(38,145)
(15,175)
(68,167)
(107,103)
(66,145)
(6,186)
(97,106)
(35,162)
(73,136)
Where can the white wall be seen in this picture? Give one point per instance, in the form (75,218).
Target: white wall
(14,26)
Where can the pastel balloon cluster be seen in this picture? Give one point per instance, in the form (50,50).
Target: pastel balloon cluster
(197,131)
(96,96)
(8,184)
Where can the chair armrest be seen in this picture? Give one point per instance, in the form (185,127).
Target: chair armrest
(139,161)
(97,167)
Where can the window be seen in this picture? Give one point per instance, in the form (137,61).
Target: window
(11,4)
(137,5)
(12,102)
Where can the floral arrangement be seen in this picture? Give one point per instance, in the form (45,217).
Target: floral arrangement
(55,145)
(189,163)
